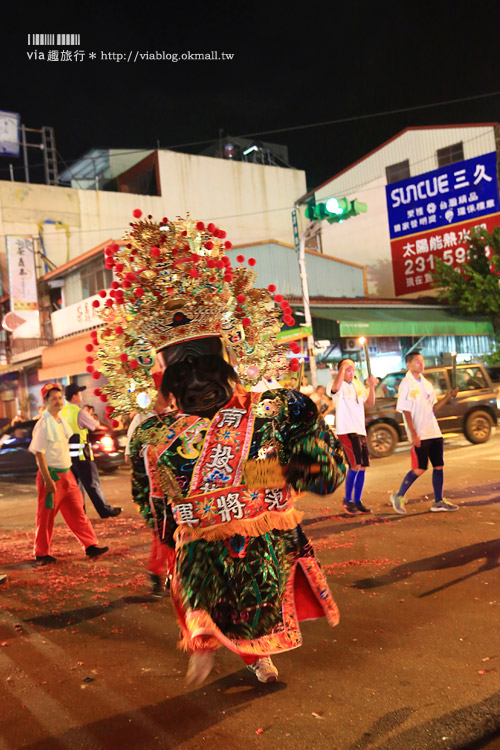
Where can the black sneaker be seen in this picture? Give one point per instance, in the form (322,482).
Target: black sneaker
(114,512)
(362,508)
(45,559)
(350,508)
(94,551)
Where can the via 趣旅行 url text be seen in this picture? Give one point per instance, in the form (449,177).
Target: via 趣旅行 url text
(162,56)
(130,56)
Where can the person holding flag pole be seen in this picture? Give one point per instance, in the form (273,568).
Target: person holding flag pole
(350,397)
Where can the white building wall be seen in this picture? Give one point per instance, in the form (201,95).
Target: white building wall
(365,238)
(251,202)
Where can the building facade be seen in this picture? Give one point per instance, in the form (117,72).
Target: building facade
(429,185)
(60,233)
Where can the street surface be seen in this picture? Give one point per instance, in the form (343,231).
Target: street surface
(88,660)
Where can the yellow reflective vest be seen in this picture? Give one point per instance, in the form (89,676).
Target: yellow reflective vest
(79,438)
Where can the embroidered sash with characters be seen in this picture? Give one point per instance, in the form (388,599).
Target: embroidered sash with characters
(218,503)
(186,429)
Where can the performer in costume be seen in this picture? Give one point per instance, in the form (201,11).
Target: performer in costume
(221,473)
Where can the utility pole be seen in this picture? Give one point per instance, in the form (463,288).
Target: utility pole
(305,296)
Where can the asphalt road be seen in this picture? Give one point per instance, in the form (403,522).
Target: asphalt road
(88,659)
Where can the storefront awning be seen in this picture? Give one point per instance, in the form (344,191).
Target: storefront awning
(9,369)
(64,358)
(373,321)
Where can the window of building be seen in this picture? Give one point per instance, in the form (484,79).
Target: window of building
(450,154)
(86,282)
(399,171)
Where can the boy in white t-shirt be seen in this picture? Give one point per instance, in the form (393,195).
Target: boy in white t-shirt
(350,397)
(418,403)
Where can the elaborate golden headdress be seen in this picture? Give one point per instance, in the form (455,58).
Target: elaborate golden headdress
(176,283)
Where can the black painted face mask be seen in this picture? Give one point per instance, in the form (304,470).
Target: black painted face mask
(198,376)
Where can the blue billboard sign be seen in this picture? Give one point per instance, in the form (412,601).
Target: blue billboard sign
(459,192)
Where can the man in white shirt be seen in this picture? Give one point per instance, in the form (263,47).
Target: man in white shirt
(56,485)
(350,397)
(418,403)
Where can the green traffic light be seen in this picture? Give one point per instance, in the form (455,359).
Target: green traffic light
(333,207)
(335,210)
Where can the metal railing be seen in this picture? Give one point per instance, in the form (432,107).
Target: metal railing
(20,346)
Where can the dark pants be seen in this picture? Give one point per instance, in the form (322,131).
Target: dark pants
(87,475)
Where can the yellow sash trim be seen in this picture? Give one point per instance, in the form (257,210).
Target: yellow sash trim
(269,521)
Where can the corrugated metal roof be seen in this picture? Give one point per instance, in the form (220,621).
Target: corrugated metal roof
(278,264)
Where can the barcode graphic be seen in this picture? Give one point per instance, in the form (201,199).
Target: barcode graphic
(41,40)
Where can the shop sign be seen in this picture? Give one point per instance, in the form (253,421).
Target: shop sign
(431,215)
(81,316)
(22,286)
(414,258)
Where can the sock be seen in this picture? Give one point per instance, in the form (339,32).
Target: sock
(349,484)
(358,486)
(437,483)
(407,483)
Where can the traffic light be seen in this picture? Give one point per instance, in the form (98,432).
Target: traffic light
(335,210)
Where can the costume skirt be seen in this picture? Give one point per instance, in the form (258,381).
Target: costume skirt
(249,593)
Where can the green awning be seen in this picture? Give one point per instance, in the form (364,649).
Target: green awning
(377,321)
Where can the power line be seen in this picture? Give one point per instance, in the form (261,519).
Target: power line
(337,121)
(349,190)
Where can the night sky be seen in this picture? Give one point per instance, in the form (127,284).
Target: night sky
(290,68)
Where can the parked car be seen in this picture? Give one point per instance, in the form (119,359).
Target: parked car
(475,411)
(16,460)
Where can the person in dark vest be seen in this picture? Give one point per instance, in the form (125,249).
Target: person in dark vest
(82,460)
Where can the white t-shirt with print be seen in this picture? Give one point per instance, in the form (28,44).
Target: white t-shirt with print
(418,397)
(350,408)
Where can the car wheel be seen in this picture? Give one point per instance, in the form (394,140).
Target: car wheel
(382,440)
(478,427)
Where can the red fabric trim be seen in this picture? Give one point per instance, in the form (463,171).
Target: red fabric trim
(306,603)
(346,442)
(414,459)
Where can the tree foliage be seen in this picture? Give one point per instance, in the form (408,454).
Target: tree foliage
(474,286)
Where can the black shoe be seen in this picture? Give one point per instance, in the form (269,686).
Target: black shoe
(3,578)
(114,512)
(351,508)
(156,584)
(362,508)
(94,551)
(45,559)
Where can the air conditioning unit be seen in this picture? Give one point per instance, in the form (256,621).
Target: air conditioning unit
(350,345)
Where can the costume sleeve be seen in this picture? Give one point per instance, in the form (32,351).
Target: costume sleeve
(140,481)
(404,404)
(309,442)
(39,438)
(160,518)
